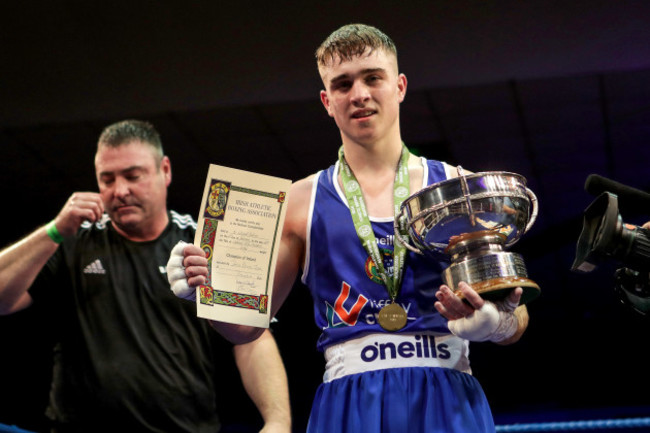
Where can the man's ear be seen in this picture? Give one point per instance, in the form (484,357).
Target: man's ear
(326,102)
(402,83)
(166,167)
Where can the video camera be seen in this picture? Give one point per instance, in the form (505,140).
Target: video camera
(605,236)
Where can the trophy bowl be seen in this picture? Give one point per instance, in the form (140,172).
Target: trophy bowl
(469,221)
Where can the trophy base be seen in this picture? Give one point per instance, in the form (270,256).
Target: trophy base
(491,272)
(496,289)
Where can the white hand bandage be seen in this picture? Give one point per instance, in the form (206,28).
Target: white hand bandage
(176,273)
(492,322)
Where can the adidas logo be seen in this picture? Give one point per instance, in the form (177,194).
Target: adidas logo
(95,268)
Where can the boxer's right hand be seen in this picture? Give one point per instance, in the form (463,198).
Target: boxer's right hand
(187,268)
(80,207)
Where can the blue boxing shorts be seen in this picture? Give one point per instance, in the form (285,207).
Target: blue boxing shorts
(412,387)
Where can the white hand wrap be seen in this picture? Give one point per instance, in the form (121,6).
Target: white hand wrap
(176,273)
(492,322)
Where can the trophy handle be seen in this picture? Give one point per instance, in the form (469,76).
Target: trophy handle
(533,214)
(465,188)
(399,237)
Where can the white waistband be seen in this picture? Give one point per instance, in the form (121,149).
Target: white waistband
(381,351)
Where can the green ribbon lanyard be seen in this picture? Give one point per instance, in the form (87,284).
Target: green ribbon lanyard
(361,220)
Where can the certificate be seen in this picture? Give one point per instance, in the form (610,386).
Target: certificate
(239,228)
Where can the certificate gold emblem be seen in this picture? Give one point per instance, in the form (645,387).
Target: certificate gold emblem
(217,199)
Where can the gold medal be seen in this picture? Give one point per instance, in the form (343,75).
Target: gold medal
(392,317)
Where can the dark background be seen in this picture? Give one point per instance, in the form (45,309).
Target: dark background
(552,90)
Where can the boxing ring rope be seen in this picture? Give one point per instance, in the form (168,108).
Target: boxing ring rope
(4,428)
(565,426)
(568,426)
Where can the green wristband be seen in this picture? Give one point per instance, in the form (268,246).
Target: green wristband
(53,232)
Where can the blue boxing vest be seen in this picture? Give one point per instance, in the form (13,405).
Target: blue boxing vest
(346,291)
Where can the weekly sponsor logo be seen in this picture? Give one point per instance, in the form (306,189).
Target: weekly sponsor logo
(338,315)
(377,304)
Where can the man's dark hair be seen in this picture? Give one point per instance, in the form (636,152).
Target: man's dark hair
(126,131)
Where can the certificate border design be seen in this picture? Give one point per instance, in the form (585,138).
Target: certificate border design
(209,295)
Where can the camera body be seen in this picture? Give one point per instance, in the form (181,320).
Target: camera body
(606,237)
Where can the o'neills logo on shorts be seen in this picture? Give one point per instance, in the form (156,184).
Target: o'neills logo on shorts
(393,350)
(423,346)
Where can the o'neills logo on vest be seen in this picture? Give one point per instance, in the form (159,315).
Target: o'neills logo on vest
(422,346)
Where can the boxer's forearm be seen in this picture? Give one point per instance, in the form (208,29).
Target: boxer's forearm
(265,381)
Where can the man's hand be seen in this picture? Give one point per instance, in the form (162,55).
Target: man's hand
(478,319)
(187,268)
(80,207)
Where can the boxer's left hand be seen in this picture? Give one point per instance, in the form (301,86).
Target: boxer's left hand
(478,319)
(187,268)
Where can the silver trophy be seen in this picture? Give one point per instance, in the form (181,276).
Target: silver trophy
(470,220)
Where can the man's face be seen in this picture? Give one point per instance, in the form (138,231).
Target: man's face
(132,185)
(363,95)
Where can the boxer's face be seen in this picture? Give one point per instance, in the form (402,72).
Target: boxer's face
(363,95)
(133,185)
